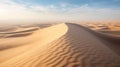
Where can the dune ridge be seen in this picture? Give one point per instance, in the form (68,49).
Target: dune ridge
(111,41)
(40,35)
(62,45)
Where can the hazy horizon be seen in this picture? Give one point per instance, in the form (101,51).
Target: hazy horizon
(20,11)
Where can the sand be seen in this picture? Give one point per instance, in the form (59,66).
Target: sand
(61,45)
(112,28)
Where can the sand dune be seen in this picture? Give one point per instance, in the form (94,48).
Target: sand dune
(7,28)
(62,45)
(104,27)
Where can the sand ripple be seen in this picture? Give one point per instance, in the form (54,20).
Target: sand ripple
(65,45)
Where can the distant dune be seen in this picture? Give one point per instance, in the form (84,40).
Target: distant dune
(61,45)
(111,28)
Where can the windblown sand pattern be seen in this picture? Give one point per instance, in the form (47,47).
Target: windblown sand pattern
(62,45)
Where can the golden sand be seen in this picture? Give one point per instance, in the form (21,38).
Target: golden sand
(62,45)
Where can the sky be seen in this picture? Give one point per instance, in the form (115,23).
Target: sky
(59,10)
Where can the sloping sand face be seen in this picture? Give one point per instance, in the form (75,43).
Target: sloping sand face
(36,39)
(62,45)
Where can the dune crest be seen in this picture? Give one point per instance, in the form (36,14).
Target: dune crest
(45,34)
(62,45)
(37,38)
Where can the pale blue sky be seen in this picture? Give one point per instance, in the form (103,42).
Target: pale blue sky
(91,3)
(59,10)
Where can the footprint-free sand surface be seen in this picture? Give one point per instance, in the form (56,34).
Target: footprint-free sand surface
(61,45)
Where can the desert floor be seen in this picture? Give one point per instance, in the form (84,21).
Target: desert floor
(60,45)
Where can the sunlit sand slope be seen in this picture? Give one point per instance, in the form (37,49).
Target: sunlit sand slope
(62,45)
